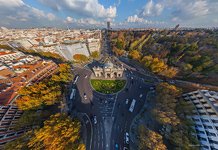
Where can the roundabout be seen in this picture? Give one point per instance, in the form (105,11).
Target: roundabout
(107,86)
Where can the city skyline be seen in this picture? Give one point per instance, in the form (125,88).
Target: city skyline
(95,13)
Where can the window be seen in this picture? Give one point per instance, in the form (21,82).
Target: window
(204,120)
(215,121)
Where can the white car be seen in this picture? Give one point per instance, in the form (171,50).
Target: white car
(95,120)
(127,138)
(140,95)
(127,101)
(85,97)
(86,76)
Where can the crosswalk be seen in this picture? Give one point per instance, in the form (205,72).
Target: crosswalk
(106,106)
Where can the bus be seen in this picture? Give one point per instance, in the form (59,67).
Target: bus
(76,79)
(131,108)
(73,93)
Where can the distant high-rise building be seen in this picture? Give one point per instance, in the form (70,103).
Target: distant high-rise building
(108,25)
(177,26)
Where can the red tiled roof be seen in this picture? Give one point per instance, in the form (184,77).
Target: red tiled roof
(6,53)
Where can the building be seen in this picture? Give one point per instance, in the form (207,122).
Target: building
(9,55)
(205,117)
(8,118)
(109,70)
(108,25)
(68,51)
(93,45)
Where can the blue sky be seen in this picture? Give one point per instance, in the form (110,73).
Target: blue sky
(121,13)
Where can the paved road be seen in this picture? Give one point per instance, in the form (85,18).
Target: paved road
(111,111)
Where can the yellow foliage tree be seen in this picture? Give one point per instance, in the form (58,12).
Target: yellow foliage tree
(58,133)
(150,140)
(134,54)
(166,104)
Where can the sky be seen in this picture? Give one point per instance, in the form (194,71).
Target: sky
(95,13)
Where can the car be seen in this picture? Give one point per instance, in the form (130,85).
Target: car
(95,119)
(125,148)
(127,101)
(140,86)
(85,97)
(116,146)
(152,88)
(140,95)
(127,138)
(86,76)
(172,82)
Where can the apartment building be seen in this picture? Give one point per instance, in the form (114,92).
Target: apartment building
(9,55)
(8,118)
(205,117)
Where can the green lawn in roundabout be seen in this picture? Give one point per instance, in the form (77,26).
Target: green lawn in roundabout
(108,86)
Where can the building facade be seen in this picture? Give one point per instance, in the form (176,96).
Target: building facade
(8,118)
(205,117)
(109,70)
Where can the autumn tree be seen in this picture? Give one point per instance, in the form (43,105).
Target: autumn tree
(80,58)
(59,133)
(95,54)
(169,72)
(118,52)
(150,140)
(154,64)
(166,104)
(64,74)
(35,96)
(134,54)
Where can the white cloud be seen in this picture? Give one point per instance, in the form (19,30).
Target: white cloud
(152,9)
(135,18)
(87,22)
(15,13)
(188,10)
(84,8)
(69,20)
(11,3)
(51,16)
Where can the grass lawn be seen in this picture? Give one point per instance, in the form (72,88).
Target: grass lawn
(108,86)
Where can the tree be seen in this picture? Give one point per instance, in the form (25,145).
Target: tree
(150,140)
(35,96)
(156,65)
(134,54)
(119,44)
(59,133)
(170,72)
(118,52)
(166,104)
(64,75)
(80,57)
(95,54)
